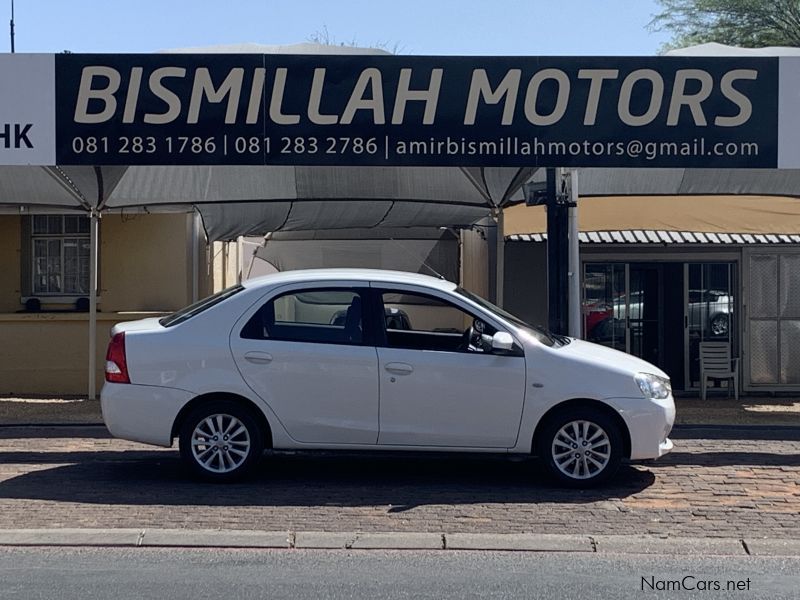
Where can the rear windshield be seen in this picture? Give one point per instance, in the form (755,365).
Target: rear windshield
(187,313)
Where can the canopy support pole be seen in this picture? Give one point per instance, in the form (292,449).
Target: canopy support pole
(574,258)
(557,255)
(94,226)
(500,258)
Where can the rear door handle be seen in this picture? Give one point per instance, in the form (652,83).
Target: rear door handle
(399,368)
(258,358)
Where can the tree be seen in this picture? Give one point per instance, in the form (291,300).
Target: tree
(747,23)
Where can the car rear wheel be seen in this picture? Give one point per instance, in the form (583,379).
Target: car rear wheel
(221,441)
(581,447)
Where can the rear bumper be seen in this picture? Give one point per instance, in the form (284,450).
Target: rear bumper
(142,413)
(649,423)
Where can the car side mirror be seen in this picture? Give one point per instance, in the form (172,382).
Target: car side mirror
(502,342)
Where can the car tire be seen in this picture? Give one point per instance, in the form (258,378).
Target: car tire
(581,447)
(221,441)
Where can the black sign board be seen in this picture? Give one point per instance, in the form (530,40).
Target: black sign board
(416,110)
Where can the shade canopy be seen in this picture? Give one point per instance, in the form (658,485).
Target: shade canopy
(254,200)
(419,250)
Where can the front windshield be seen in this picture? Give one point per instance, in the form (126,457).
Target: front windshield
(541,334)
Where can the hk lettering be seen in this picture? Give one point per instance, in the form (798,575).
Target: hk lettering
(15,135)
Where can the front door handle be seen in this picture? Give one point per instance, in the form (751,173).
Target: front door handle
(399,368)
(258,358)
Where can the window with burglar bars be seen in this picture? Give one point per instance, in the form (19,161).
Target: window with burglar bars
(60,255)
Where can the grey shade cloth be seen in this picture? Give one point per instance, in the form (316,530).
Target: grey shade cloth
(672,182)
(236,201)
(419,250)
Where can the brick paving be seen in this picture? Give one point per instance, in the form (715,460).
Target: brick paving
(714,484)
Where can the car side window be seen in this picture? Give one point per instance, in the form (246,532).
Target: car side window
(325,316)
(422,322)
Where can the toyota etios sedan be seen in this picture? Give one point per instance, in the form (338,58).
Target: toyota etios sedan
(376,360)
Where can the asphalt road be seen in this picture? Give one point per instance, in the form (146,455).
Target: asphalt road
(140,574)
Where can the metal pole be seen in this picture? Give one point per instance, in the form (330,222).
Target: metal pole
(94,226)
(501,258)
(195,256)
(239,259)
(491,257)
(574,320)
(12,26)
(557,229)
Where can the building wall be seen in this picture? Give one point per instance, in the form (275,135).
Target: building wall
(47,353)
(226,264)
(145,270)
(145,263)
(474,263)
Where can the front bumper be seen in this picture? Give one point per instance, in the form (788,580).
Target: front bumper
(649,423)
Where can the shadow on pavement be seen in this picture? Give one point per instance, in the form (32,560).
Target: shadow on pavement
(14,432)
(727,459)
(736,432)
(158,478)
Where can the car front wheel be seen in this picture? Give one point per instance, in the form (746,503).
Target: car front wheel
(221,441)
(581,447)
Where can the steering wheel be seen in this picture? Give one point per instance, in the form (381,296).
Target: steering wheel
(471,338)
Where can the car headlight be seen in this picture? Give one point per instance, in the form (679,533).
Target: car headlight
(653,387)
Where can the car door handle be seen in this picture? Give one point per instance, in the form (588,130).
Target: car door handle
(399,368)
(258,358)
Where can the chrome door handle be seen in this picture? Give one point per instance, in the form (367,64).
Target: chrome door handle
(399,368)
(258,358)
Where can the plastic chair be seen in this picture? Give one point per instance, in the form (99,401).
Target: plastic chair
(716,364)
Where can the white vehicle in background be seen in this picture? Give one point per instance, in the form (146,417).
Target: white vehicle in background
(351,359)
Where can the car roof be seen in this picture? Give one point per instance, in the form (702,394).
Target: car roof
(365,275)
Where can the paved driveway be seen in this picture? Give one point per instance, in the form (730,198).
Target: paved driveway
(720,483)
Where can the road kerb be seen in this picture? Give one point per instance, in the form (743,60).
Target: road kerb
(772,547)
(69,537)
(398,541)
(531,542)
(329,540)
(211,538)
(323,540)
(639,544)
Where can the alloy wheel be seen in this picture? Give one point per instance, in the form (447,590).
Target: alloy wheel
(220,443)
(581,449)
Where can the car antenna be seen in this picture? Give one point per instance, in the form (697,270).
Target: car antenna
(421,259)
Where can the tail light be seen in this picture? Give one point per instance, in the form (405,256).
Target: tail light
(116,366)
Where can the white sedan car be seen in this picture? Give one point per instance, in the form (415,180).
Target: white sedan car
(376,360)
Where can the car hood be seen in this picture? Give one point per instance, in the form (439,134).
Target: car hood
(607,358)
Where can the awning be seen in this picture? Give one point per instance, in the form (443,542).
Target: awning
(711,214)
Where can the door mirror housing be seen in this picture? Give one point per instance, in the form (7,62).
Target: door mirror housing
(502,342)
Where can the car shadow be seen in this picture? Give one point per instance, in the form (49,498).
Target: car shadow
(727,459)
(788,433)
(83,431)
(145,478)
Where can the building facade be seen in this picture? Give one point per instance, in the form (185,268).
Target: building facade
(660,293)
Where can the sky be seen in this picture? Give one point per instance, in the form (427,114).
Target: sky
(468,27)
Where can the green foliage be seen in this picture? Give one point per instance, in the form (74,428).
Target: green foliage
(747,23)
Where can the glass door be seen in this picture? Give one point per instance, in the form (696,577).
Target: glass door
(645,317)
(637,307)
(710,294)
(605,308)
